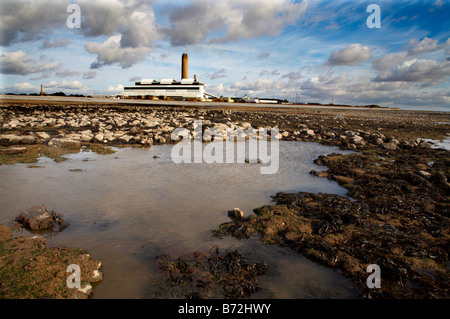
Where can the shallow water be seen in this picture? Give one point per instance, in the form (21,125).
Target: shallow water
(129,207)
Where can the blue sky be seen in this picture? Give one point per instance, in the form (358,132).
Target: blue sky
(306,51)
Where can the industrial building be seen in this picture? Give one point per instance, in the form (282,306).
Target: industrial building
(169,89)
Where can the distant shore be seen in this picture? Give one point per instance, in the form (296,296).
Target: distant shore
(6,98)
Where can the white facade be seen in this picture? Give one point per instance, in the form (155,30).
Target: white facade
(186,88)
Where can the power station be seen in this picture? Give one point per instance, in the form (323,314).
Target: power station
(169,89)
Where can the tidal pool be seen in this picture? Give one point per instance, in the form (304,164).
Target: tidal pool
(129,207)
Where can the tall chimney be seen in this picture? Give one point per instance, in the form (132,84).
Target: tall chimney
(184,66)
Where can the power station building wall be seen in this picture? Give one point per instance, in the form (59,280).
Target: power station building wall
(177,89)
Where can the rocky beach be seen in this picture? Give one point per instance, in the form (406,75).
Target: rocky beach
(395,213)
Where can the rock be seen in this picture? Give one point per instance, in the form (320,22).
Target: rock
(124,139)
(356,140)
(5,232)
(423,174)
(98,138)
(38,218)
(438,178)
(308,132)
(27,139)
(390,146)
(349,133)
(97,276)
(64,142)
(86,138)
(13,150)
(10,139)
(159,139)
(87,289)
(43,135)
(379,141)
(134,130)
(236,214)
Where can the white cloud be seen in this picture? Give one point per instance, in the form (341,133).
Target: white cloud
(89,75)
(115,89)
(57,43)
(19,63)
(211,21)
(30,20)
(292,75)
(64,73)
(426,45)
(71,85)
(51,84)
(21,88)
(217,74)
(417,70)
(353,54)
(110,52)
(389,60)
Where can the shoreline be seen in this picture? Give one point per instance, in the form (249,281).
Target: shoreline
(399,218)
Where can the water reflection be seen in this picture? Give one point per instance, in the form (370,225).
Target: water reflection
(126,208)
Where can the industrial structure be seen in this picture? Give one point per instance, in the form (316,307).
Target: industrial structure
(169,89)
(185,89)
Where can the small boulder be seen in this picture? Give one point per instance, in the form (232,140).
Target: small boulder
(236,214)
(38,218)
(5,232)
(64,142)
(43,135)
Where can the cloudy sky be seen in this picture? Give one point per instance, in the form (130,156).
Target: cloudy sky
(306,51)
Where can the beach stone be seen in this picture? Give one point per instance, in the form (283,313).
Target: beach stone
(356,140)
(86,138)
(35,218)
(97,276)
(134,130)
(390,146)
(98,138)
(236,214)
(42,135)
(64,142)
(87,289)
(124,139)
(424,174)
(27,139)
(5,232)
(10,139)
(379,141)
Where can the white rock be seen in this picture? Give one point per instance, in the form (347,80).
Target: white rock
(87,289)
(356,139)
(64,142)
(97,276)
(98,137)
(42,135)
